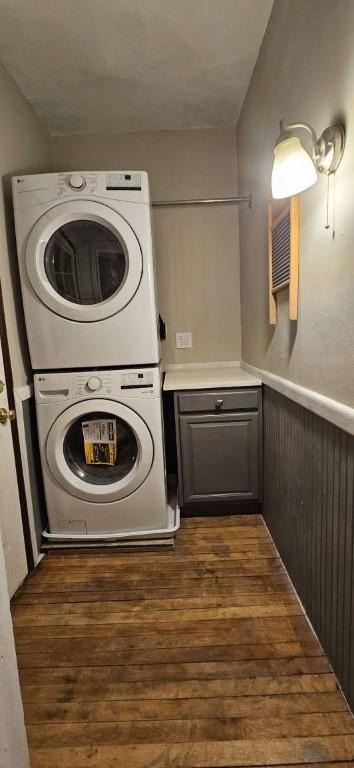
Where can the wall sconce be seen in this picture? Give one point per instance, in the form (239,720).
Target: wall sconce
(293,168)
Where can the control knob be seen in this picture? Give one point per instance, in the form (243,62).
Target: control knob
(77,182)
(94,383)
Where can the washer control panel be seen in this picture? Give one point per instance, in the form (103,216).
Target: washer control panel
(136,380)
(86,384)
(112,383)
(94,384)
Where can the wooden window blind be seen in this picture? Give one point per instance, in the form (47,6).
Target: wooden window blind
(283,247)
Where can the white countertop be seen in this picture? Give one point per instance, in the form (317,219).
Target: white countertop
(209,377)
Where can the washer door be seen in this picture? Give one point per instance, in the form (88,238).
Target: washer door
(83,261)
(88,472)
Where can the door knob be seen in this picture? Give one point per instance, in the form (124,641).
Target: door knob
(219,404)
(6,415)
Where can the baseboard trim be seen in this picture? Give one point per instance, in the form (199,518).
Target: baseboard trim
(336,413)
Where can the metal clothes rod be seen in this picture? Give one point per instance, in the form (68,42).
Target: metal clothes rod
(206,201)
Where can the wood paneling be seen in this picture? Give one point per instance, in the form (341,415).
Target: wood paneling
(199,656)
(309,508)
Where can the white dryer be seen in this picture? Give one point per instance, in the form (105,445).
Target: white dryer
(102,453)
(85,252)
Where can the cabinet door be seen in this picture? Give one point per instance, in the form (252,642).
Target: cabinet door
(219,457)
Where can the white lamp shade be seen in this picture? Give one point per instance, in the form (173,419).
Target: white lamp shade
(293,169)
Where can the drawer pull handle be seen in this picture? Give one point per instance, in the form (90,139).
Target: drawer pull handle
(219,404)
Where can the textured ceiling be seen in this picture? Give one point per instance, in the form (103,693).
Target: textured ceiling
(91,66)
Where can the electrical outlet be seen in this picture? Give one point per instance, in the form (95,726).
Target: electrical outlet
(184,340)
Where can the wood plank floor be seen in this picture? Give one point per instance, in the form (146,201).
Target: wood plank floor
(199,657)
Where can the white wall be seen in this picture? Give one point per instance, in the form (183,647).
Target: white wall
(305,72)
(24,148)
(196,248)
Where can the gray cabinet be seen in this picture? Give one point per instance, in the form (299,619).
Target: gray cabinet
(219,445)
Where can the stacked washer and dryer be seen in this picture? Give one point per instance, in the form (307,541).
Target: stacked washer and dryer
(86,263)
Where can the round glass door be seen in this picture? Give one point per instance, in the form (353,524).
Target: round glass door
(84,261)
(99,450)
(96,461)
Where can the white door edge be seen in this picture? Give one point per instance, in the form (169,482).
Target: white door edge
(13,740)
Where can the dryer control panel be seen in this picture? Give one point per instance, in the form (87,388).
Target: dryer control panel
(69,183)
(127,186)
(91,182)
(123,181)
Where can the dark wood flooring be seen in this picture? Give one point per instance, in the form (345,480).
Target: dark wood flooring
(199,657)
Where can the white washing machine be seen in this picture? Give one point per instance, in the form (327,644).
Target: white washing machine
(102,453)
(85,252)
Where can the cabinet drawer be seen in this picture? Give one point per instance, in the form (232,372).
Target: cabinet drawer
(218,400)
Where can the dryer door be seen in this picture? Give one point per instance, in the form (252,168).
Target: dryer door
(83,260)
(99,450)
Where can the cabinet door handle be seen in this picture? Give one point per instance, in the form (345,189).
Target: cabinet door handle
(219,404)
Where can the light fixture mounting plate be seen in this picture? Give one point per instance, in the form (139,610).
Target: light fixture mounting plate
(329,149)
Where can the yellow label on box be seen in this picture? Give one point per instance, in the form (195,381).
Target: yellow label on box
(100,441)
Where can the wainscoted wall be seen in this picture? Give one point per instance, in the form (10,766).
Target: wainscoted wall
(309,508)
